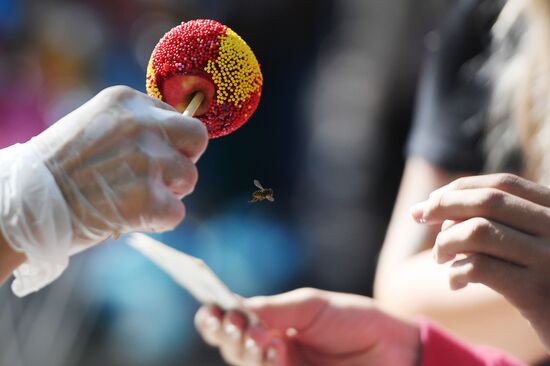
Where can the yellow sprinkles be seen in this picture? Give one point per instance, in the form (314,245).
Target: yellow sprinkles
(150,82)
(235,71)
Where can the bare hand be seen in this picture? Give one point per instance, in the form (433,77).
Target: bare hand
(499,225)
(311,327)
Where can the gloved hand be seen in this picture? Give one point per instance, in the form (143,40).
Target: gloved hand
(119,163)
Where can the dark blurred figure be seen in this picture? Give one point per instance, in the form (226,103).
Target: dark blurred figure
(358,112)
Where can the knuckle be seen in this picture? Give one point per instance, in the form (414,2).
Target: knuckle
(456,280)
(192,176)
(186,175)
(506,181)
(309,293)
(479,229)
(128,124)
(174,212)
(118,92)
(493,199)
(459,183)
(475,268)
(435,204)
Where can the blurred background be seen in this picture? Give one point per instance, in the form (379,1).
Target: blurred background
(340,80)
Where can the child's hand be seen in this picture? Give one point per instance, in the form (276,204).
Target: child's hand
(501,223)
(327,329)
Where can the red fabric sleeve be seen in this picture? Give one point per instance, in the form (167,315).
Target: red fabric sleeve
(441,349)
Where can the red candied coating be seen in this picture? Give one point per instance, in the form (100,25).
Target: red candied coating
(222,119)
(187,48)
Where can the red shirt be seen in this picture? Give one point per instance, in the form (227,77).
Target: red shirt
(441,349)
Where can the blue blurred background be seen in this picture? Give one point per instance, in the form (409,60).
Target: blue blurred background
(339,91)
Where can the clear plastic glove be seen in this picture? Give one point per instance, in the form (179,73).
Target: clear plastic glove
(119,163)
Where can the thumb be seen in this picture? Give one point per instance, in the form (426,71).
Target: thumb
(296,309)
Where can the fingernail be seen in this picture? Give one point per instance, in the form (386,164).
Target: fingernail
(442,258)
(251,347)
(440,190)
(273,352)
(212,323)
(272,355)
(457,285)
(291,332)
(232,331)
(417,212)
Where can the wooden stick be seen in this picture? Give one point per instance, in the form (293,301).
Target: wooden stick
(194,105)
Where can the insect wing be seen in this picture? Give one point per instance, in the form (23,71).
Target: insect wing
(258,184)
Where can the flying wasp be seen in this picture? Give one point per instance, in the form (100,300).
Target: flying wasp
(262,193)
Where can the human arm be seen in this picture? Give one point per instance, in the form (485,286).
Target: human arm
(330,328)
(409,283)
(119,163)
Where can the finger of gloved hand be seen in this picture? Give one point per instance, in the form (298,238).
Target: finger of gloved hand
(208,321)
(479,235)
(490,203)
(510,183)
(167,211)
(177,171)
(231,345)
(134,203)
(188,135)
(503,277)
(159,103)
(132,182)
(180,175)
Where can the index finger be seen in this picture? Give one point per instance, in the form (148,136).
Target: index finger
(188,135)
(488,203)
(509,183)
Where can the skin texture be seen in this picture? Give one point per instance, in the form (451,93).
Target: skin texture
(311,327)
(495,229)
(409,282)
